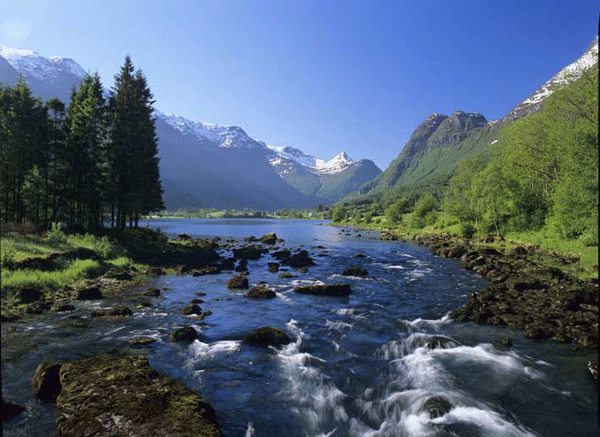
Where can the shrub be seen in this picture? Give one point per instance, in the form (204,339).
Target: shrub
(467,230)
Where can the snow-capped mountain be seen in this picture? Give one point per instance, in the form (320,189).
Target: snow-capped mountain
(569,74)
(205,164)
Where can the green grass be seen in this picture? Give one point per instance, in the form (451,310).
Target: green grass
(75,272)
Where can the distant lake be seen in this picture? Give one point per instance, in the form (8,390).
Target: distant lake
(362,365)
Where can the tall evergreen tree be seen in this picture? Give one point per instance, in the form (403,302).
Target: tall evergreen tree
(133,156)
(86,147)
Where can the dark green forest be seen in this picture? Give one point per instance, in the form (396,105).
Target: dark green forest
(87,164)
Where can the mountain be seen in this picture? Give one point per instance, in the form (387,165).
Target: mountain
(210,165)
(47,77)
(331,180)
(441,142)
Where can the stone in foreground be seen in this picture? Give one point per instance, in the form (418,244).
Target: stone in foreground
(325,290)
(267,336)
(108,396)
(260,292)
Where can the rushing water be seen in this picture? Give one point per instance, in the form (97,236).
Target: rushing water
(358,365)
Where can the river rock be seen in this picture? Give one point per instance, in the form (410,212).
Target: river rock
(267,336)
(355,271)
(144,341)
(192,309)
(273,267)
(249,252)
(112,312)
(325,289)
(286,275)
(260,292)
(27,295)
(212,270)
(269,239)
(114,396)
(62,308)
(238,282)
(45,384)
(10,410)
(185,334)
(89,293)
(155,271)
(300,259)
(282,255)
(436,406)
(151,292)
(242,266)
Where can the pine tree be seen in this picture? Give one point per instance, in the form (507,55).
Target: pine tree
(133,156)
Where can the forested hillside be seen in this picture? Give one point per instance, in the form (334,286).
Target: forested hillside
(82,163)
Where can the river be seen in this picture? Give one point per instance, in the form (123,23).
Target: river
(358,365)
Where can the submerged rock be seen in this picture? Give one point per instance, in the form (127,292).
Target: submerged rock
(114,396)
(325,290)
(355,271)
(267,336)
(112,312)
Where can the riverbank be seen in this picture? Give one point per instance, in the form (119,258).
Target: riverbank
(195,257)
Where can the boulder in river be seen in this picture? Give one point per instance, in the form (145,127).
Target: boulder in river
(436,406)
(124,396)
(248,252)
(355,271)
(89,293)
(300,259)
(151,292)
(269,239)
(267,336)
(192,309)
(238,282)
(212,270)
(185,334)
(260,292)
(273,267)
(325,289)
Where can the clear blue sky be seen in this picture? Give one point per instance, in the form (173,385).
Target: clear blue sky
(318,75)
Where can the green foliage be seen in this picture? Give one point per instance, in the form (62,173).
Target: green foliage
(74,272)
(426,204)
(339,214)
(395,211)
(467,230)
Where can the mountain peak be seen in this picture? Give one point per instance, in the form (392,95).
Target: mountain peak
(338,163)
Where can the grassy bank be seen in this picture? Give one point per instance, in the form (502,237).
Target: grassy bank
(583,259)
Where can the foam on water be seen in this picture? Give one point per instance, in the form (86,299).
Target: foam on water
(314,399)
(200,350)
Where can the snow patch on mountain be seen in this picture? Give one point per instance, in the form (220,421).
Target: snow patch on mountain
(224,136)
(30,63)
(284,159)
(569,74)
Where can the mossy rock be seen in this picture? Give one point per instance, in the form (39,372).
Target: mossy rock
(260,292)
(114,396)
(185,334)
(238,282)
(45,384)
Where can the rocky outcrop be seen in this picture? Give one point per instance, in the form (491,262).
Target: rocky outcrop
(325,289)
(436,406)
(89,293)
(524,292)
(27,295)
(45,384)
(267,336)
(269,239)
(118,396)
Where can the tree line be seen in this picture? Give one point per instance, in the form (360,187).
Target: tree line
(542,175)
(88,164)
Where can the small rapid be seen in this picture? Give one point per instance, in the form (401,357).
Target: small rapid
(384,361)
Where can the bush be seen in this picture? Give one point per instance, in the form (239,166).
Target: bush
(467,230)
(56,235)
